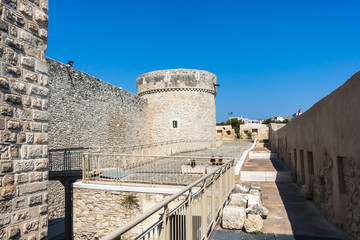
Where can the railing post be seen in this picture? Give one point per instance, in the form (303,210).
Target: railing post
(204,212)
(83,167)
(189,218)
(213,198)
(165,231)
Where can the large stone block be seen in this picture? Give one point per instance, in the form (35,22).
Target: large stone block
(253,200)
(31,226)
(236,199)
(40,115)
(13,98)
(240,188)
(233,217)
(253,223)
(258,209)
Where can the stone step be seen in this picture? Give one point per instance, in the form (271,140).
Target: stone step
(262,154)
(265,176)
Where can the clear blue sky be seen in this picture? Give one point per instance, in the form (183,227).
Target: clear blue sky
(269,56)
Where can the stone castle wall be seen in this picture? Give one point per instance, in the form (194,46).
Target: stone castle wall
(86,111)
(23,119)
(322,146)
(182,95)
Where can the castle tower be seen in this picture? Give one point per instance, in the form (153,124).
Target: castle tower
(180,105)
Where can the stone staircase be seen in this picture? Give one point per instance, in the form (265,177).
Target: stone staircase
(263,165)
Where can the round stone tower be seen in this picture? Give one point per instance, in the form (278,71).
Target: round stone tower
(180,105)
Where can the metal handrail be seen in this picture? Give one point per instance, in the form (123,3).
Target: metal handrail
(123,229)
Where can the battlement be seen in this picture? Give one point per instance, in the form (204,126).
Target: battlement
(176,80)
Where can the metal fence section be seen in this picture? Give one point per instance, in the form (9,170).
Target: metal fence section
(195,218)
(66,159)
(147,169)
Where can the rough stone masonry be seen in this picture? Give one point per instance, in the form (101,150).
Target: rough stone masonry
(23,119)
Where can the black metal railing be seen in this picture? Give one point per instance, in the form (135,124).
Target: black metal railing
(66,160)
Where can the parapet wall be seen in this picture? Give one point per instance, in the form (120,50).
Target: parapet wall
(86,111)
(322,146)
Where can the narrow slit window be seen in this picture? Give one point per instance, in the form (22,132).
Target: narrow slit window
(175,124)
(341,175)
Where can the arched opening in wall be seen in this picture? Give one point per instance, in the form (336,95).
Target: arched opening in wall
(302,168)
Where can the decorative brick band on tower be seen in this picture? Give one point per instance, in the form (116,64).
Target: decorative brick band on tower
(23,119)
(180,105)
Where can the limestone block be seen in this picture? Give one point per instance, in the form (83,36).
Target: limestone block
(31,226)
(28,62)
(258,209)
(21,137)
(19,87)
(253,223)
(15,152)
(4,83)
(18,203)
(43,34)
(33,77)
(240,188)
(255,192)
(7,136)
(23,166)
(35,176)
(32,188)
(4,26)
(41,67)
(13,98)
(8,180)
(14,232)
(21,178)
(6,111)
(41,164)
(5,206)
(4,220)
(15,44)
(41,91)
(33,27)
(34,200)
(41,18)
(36,127)
(255,186)
(36,103)
(34,151)
(233,217)
(26,9)
(41,138)
(14,125)
(236,199)
(253,200)
(6,167)
(7,192)
(22,215)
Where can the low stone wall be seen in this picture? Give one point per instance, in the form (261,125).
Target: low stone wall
(321,147)
(97,213)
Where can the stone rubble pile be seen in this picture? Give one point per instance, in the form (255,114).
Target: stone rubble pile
(245,210)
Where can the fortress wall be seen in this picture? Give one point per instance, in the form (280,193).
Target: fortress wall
(23,119)
(322,146)
(86,111)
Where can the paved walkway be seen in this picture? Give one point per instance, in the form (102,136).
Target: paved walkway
(291,216)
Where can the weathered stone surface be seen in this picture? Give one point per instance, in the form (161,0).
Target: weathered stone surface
(4,83)
(41,18)
(236,199)
(34,200)
(41,91)
(258,209)
(13,98)
(256,186)
(15,44)
(307,191)
(33,27)
(41,138)
(40,115)
(19,87)
(4,26)
(5,206)
(2,124)
(6,167)
(6,111)
(14,232)
(21,178)
(8,180)
(14,125)
(32,188)
(253,223)
(33,77)
(240,188)
(41,67)
(31,226)
(43,34)
(255,192)
(28,62)
(41,164)
(26,9)
(34,151)
(7,136)
(7,192)
(233,217)
(253,200)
